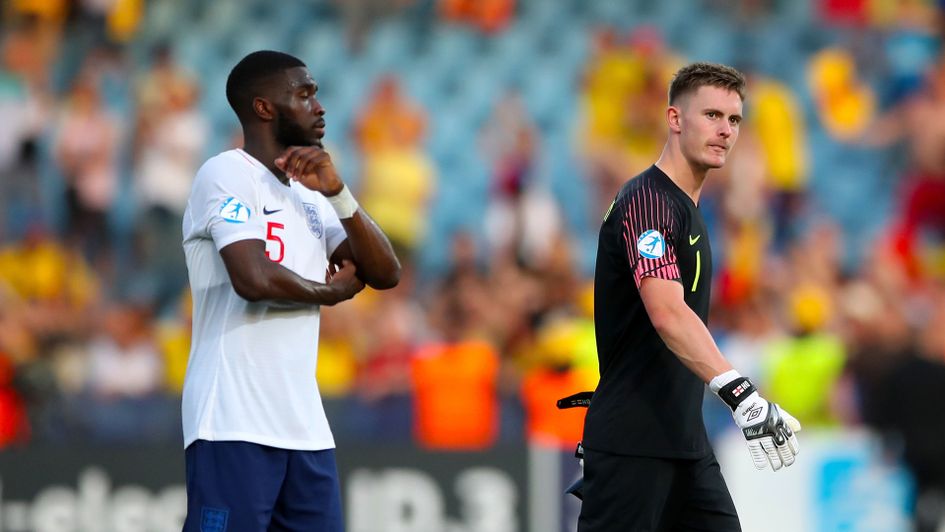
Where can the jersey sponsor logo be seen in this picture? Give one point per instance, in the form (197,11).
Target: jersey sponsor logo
(692,241)
(267,212)
(314,222)
(213,519)
(651,244)
(233,211)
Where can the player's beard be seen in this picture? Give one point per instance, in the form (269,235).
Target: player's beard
(291,133)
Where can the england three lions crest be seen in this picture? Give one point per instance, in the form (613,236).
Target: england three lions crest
(314,222)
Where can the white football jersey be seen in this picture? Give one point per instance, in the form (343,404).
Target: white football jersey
(251,373)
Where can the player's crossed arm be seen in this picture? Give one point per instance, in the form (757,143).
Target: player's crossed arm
(256,278)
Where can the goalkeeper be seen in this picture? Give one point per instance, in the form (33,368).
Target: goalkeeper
(648,465)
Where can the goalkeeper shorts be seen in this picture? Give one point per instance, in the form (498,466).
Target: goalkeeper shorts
(646,494)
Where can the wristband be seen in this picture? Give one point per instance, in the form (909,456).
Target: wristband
(732,388)
(721,380)
(344,203)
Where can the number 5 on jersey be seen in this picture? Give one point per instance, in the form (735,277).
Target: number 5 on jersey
(271,235)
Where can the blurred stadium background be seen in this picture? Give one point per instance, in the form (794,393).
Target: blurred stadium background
(487,138)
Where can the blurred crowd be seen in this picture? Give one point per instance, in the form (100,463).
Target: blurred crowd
(844,329)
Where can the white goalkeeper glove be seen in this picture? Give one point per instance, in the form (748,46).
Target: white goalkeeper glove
(768,429)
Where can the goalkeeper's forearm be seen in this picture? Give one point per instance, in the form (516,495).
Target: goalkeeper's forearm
(681,329)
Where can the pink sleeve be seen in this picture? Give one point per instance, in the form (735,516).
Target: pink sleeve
(649,230)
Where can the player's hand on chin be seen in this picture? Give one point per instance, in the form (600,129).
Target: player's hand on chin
(345,282)
(311,166)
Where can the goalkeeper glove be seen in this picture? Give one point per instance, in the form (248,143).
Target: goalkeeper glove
(768,429)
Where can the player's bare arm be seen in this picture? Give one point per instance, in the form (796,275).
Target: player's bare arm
(366,245)
(257,278)
(768,429)
(681,329)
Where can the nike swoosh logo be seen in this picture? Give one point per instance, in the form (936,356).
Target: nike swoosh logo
(692,241)
(267,212)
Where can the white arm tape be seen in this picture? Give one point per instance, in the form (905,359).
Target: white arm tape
(344,203)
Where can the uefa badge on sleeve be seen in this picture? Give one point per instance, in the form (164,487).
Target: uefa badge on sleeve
(651,244)
(233,211)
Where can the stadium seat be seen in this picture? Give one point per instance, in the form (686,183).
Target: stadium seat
(194,51)
(449,49)
(710,43)
(388,45)
(422,84)
(322,47)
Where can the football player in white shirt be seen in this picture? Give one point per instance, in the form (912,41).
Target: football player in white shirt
(262,227)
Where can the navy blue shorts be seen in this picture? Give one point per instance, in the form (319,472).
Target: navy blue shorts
(235,486)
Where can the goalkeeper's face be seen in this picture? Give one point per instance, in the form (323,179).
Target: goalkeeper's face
(300,117)
(708,121)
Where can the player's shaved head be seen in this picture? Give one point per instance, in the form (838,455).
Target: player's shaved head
(249,77)
(690,77)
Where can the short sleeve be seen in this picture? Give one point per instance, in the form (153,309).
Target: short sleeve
(649,232)
(226,201)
